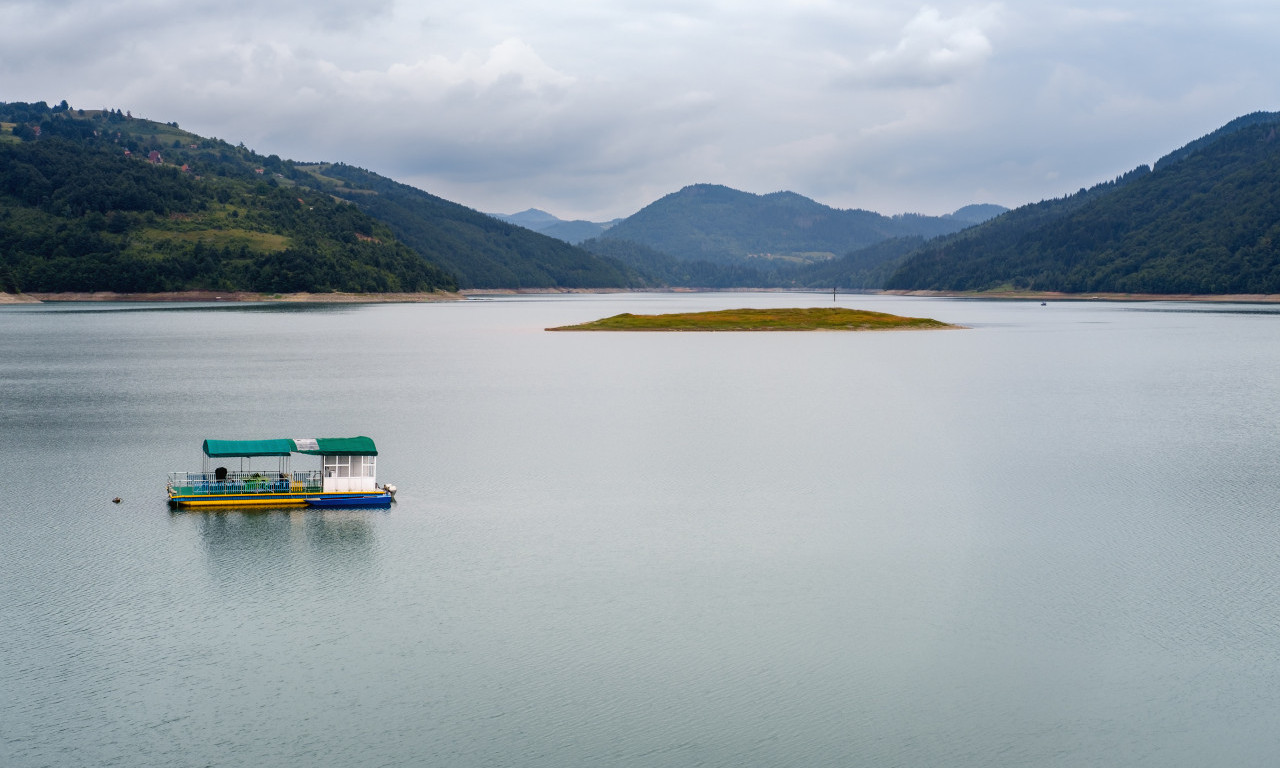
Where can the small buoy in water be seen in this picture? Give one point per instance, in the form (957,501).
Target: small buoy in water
(116,500)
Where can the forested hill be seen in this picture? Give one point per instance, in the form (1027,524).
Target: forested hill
(484,252)
(713,223)
(102,201)
(1205,220)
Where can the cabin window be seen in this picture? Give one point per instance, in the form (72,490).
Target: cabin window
(349,466)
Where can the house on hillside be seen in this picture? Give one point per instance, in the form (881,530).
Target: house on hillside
(154,157)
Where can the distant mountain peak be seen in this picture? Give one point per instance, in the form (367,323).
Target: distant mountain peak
(530,218)
(977,213)
(573,232)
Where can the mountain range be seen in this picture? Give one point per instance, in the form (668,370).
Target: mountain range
(99,200)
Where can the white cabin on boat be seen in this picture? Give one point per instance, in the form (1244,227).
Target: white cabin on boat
(350,463)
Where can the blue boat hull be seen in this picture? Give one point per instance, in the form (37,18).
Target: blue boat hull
(350,500)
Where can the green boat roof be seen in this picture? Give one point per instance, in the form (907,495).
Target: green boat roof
(335,446)
(316,446)
(220,448)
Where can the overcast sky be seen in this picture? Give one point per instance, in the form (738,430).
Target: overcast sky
(595,109)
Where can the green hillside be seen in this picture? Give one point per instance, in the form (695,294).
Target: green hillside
(717,224)
(1206,220)
(100,201)
(103,201)
(483,251)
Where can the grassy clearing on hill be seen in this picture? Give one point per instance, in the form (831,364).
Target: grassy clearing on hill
(255,242)
(808,319)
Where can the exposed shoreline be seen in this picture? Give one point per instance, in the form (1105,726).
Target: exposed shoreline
(408,298)
(298,298)
(231,296)
(1241,298)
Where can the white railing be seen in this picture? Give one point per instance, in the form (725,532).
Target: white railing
(229,482)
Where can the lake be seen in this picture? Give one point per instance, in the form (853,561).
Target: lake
(1050,539)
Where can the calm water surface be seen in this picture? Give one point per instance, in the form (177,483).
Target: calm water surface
(1049,540)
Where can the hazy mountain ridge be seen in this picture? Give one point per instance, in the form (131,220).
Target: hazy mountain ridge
(977,213)
(571,231)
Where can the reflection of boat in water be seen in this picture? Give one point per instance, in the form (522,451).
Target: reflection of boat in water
(346,477)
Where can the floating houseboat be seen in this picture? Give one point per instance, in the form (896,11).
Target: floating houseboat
(263,475)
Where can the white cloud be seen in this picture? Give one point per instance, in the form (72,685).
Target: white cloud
(931,50)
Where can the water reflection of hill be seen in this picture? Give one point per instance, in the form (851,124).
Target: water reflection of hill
(268,543)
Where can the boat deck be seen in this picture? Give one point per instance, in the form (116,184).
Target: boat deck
(196,488)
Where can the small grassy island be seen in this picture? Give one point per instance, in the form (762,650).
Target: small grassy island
(809,319)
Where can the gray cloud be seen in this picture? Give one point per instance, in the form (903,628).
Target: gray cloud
(593,109)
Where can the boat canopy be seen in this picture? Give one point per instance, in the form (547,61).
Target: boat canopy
(335,446)
(315,446)
(246,448)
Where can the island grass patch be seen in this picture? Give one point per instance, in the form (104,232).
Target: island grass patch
(803,319)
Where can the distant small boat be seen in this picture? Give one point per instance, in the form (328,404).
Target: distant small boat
(345,477)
